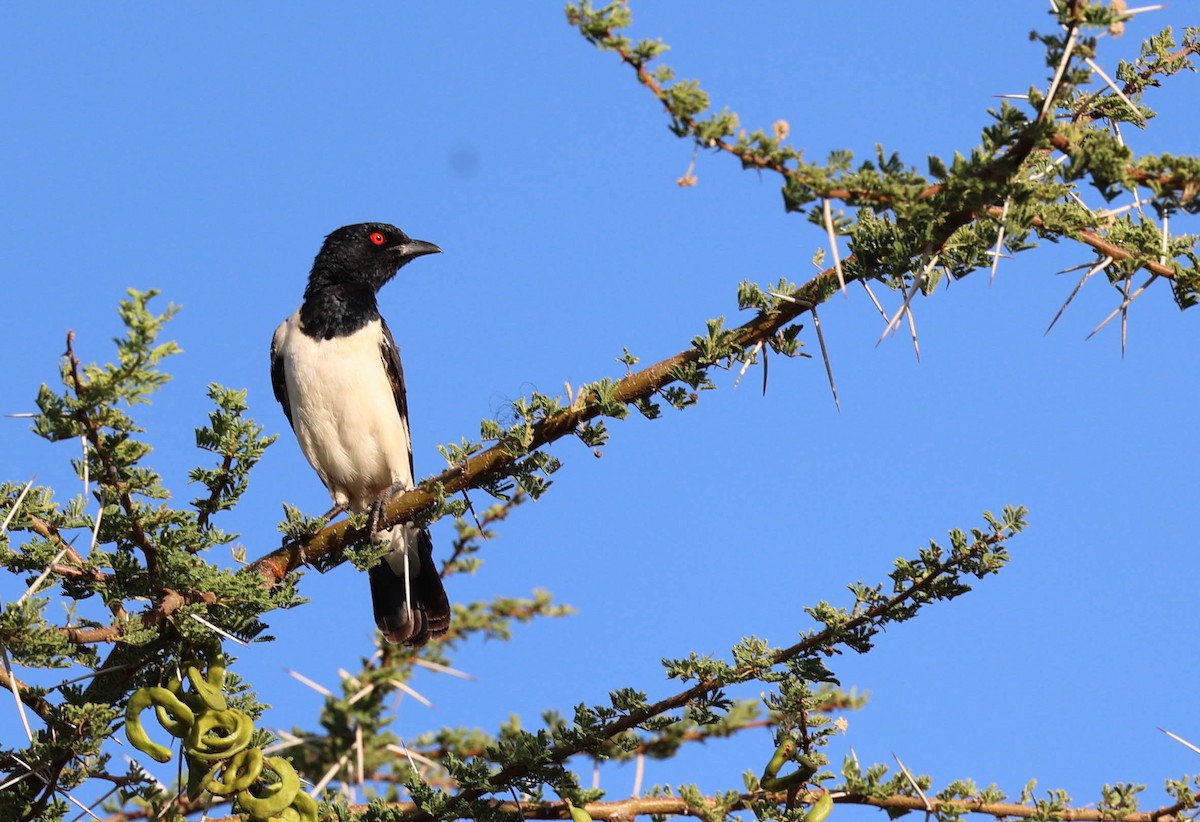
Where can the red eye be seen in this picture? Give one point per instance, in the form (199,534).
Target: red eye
(378,238)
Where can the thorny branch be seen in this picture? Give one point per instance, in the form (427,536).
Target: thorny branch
(625,809)
(820,640)
(1008,163)
(95,439)
(496,460)
(643,384)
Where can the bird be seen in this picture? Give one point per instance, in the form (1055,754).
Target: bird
(335,369)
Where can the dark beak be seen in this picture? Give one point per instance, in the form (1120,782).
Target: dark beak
(410,249)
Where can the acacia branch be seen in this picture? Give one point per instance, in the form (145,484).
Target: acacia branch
(214,495)
(623,809)
(37,704)
(710,807)
(168,602)
(1003,167)
(91,430)
(497,460)
(821,640)
(1091,238)
(752,159)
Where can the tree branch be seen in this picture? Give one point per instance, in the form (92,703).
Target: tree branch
(820,640)
(91,430)
(496,460)
(625,809)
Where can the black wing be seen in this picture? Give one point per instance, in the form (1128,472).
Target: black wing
(279,381)
(395,373)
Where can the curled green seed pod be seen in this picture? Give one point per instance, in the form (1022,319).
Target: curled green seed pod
(203,690)
(820,810)
(198,773)
(241,770)
(578,814)
(785,751)
(303,809)
(771,781)
(276,795)
(175,727)
(219,734)
(216,670)
(176,712)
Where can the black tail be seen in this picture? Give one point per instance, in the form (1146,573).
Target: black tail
(410,620)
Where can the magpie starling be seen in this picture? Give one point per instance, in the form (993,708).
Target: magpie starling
(336,371)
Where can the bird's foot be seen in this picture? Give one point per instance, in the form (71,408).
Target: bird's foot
(375,520)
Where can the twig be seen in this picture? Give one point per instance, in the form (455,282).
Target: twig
(820,639)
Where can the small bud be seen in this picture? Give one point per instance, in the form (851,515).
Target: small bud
(1118,28)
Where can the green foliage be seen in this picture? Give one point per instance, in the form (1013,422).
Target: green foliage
(909,227)
(149,586)
(140,549)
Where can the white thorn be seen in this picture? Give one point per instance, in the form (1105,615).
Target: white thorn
(1180,740)
(1068,47)
(1108,80)
(321,689)
(16,505)
(32,589)
(442,669)
(999,243)
(408,689)
(833,247)
(1100,267)
(214,628)
(1124,304)
(16,692)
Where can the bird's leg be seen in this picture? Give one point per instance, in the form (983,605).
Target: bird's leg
(380,503)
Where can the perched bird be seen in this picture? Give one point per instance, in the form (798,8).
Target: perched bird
(336,371)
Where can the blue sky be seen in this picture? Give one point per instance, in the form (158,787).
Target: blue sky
(205,150)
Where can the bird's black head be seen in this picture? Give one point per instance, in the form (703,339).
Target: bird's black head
(364,255)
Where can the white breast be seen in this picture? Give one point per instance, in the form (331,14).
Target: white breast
(344,412)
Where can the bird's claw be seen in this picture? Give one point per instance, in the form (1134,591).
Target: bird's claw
(379,506)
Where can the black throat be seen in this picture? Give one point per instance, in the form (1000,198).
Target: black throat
(330,311)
